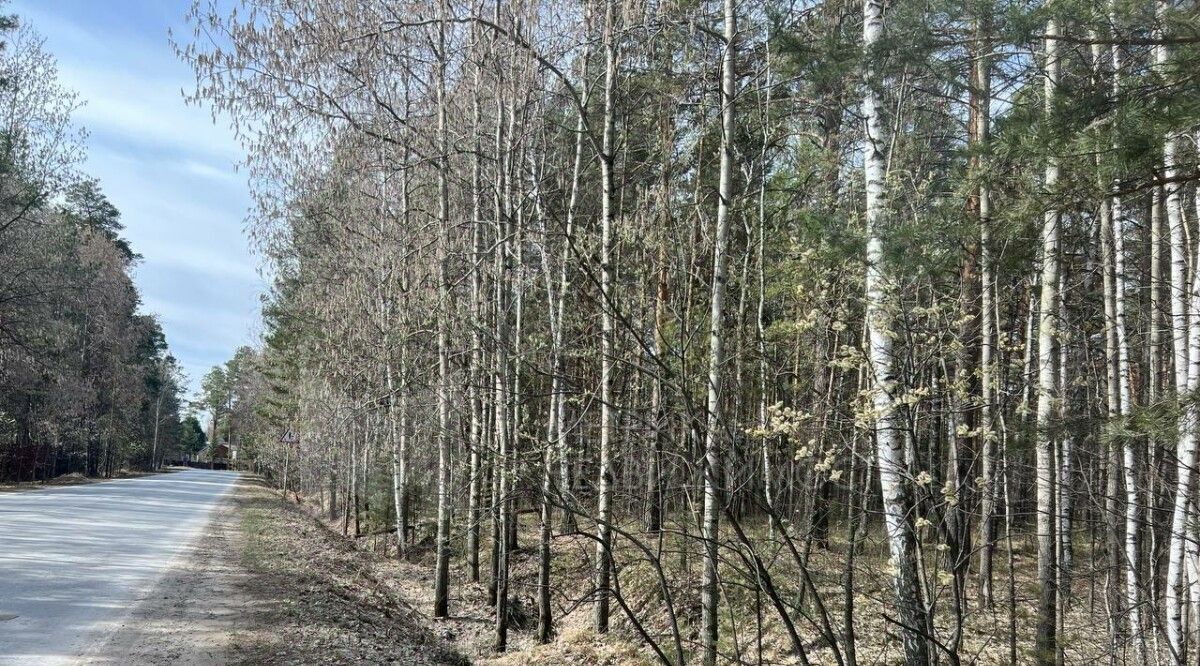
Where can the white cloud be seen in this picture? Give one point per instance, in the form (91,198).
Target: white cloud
(204,170)
(149,111)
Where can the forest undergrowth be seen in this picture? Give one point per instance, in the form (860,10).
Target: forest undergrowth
(752,632)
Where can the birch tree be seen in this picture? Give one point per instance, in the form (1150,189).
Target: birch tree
(889,444)
(716,338)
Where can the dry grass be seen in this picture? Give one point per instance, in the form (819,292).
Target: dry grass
(324,601)
(750,629)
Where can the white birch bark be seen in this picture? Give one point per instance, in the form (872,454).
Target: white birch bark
(1066,451)
(1046,642)
(1185,451)
(502,384)
(716,339)
(1191,574)
(398,422)
(1125,396)
(760,319)
(608,323)
(889,445)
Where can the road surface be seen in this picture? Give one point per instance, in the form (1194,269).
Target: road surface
(75,561)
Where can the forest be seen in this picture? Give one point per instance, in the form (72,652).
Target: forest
(87,384)
(752,331)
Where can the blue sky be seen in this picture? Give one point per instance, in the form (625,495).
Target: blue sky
(166,166)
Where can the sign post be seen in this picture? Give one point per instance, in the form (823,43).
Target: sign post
(289,439)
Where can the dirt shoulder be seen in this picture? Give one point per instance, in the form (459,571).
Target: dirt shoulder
(76,479)
(266,584)
(200,611)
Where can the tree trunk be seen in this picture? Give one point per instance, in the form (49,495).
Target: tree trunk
(1047,643)
(441,586)
(710,592)
(890,458)
(1133,575)
(981,87)
(501,384)
(567,523)
(1066,454)
(474,493)
(607,408)
(1185,452)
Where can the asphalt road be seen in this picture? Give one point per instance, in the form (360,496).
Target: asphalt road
(74,561)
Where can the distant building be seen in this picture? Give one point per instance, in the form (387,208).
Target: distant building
(217,456)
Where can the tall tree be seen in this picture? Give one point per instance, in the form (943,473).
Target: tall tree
(716,342)
(1047,624)
(889,441)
